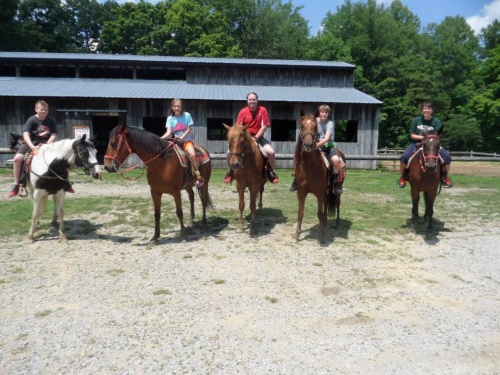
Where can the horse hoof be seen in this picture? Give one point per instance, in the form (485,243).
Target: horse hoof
(240,230)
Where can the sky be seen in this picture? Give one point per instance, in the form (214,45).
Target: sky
(477,13)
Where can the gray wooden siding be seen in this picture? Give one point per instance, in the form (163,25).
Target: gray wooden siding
(269,76)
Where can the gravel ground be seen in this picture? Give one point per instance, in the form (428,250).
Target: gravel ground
(221,304)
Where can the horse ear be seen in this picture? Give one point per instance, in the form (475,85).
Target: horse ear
(226,126)
(302,113)
(83,137)
(94,137)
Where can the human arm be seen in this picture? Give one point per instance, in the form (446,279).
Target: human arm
(325,140)
(27,139)
(53,137)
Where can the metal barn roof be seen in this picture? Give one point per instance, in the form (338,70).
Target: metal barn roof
(34,57)
(146,89)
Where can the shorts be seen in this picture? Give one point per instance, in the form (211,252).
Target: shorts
(23,149)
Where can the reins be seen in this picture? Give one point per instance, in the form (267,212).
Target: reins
(86,167)
(122,137)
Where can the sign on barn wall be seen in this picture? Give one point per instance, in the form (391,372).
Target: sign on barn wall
(79,131)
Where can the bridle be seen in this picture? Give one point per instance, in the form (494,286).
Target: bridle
(241,155)
(424,158)
(122,140)
(304,145)
(80,159)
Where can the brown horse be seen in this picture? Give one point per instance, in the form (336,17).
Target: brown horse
(245,158)
(425,175)
(312,176)
(167,170)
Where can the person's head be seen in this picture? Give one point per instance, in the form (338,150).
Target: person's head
(427,110)
(41,109)
(252,100)
(324,112)
(176,107)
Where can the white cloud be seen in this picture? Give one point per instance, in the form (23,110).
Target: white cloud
(488,14)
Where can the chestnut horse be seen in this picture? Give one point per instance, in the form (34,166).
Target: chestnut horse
(312,176)
(425,175)
(245,158)
(166,173)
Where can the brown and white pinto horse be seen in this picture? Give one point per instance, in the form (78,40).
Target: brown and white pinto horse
(312,176)
(247,161)
(165,172)
(425,176)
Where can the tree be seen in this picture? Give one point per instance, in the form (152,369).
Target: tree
(10,40)
(43,26)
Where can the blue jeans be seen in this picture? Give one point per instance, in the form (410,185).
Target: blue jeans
(411,148)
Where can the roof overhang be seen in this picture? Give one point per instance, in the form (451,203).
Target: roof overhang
(145,89)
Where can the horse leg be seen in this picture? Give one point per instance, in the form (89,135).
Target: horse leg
(241,207)
(180,215)
(429,209)
(191,205)
(415,197)
(253,207)
(301,198)
(59,214)
(157,215)
(34,219)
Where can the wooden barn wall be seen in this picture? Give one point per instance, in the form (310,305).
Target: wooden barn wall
(15,111)
(280,76)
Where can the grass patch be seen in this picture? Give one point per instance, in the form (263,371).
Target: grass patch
(160,292)
(371,205)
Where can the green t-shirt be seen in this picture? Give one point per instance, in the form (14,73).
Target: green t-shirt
(419,124)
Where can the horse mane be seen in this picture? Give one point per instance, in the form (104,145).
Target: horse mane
(239,129)
(148,140)
(58,145)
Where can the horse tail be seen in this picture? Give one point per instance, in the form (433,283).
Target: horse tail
(210,203)
(330,203)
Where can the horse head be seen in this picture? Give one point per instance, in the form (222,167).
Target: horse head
(239,140)
(308,132)
(431,144)
(116,153)
(86,156)
(15,141)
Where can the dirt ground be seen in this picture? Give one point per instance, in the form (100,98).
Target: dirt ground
(225,303)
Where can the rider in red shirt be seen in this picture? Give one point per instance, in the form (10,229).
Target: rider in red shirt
(257,119)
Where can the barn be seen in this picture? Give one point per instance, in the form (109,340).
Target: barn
(92,93)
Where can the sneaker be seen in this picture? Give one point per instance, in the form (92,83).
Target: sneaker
(229,177)
(14,190)
(447,182)
(294,186)
(69,189)
(402,182)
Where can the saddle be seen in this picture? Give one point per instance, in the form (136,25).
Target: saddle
(342,171)
(201,155)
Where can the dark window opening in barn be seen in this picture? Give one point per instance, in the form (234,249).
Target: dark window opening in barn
(101,127)
(48,71)
(346,131)
(283,130)
(154,125)
(215,130)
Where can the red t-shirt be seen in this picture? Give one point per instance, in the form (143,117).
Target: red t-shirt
(256,119)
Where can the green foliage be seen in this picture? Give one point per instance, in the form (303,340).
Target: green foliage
(396,60)
(461,132)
